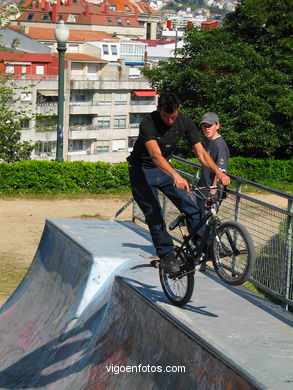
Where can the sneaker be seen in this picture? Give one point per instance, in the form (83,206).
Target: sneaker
(168,262)
(155,263)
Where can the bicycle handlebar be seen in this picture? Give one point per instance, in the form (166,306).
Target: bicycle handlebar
(210,200)
(195,187)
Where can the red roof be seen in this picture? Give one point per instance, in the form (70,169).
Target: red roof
(155,42)
(78,8)
(25,57)
(46,33)
(82,57)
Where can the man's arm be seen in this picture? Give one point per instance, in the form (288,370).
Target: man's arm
(160,161)
(208,162)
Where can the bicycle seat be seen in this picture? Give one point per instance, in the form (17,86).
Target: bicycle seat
(177,221)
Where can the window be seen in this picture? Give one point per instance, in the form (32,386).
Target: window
(105,49)
(92,69)
(45,17)
(103,122)
(40,69)
(25,124)
(76,66)
(29,16)
(105,98)
(119,121)
(109,20)
(80,120)
(9,69)
(128,21)
(47,147)
(127,7)
(119,21)
(72,48)
(79,98)
(102,146)
(114,50)
(112,7)
(76,145)
(23,69)
(131,142)
(121,98)
(118,145)
(135,119)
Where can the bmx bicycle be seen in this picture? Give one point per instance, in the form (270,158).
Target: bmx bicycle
(227,244)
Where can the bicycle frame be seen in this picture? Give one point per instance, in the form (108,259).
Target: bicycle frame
(196,254)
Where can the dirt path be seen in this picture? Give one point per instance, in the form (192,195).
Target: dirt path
(22,223)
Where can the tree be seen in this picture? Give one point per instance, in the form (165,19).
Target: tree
(11,113)
(11,119)
(231,71)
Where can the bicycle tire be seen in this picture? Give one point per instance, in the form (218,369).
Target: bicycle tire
(233,253)
(177,288)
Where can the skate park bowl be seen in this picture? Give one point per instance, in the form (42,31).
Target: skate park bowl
(90,314)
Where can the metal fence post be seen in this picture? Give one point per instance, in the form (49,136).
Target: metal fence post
(288,253)
(164,206)
(237,201)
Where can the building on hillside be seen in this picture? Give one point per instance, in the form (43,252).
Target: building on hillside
(207,24)
(103,105)
(119,18)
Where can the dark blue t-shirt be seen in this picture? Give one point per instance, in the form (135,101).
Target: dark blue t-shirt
(219,152)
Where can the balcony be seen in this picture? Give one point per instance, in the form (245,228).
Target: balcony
(47,108)
(126,83)
(83,132)
(86,108)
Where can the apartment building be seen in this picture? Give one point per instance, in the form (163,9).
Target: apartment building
(104,103)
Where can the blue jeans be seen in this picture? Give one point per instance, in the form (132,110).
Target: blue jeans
(145,183)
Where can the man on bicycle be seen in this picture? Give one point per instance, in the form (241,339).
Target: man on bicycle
(150,171)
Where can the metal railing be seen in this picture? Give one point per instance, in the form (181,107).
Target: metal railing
(270,227)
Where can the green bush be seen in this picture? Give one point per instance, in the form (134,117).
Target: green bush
(50,177)
(263,171)
(26,177)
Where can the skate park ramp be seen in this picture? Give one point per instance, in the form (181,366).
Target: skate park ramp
(90,314)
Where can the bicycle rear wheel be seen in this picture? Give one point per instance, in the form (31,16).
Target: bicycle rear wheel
(233,253)
(178,287)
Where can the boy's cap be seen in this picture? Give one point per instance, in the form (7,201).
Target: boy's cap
(210,118)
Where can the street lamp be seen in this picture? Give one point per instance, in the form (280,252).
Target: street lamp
(61,35)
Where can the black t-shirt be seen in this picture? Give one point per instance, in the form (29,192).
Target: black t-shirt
(219,152)
(152,127)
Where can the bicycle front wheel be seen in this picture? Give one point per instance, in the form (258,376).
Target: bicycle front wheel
(177,287)
(233,253)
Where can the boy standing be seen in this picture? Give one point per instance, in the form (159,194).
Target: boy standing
(217,148)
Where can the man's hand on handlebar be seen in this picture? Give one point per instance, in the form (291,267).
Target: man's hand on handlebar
(224,179)
(180,182)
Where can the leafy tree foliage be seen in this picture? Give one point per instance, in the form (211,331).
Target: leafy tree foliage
(241,71)
(11,118)
(11,114)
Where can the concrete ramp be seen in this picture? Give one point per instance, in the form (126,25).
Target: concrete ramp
(63,295)
(90,314)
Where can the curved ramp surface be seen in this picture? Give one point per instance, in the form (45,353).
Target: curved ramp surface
(70,325)
(47,325)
